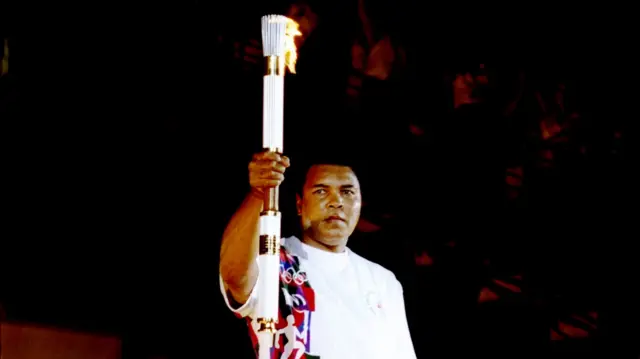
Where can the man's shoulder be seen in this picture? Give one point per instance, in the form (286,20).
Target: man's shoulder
(376,269)
(289,250)
(289,245)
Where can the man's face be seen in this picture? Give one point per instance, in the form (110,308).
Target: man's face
(330,206)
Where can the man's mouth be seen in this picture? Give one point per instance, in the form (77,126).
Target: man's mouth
(334,218)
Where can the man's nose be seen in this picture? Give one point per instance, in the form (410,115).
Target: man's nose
(335,201)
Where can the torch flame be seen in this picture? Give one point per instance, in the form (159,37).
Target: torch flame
(291,54)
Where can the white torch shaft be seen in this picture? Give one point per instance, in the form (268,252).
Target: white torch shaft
(265,340)
(274,36)
(269,264)
(273,113)
(270,222)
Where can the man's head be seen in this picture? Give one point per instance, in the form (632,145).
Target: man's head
(328,203)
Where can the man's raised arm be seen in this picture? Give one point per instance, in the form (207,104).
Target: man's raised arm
(240,241)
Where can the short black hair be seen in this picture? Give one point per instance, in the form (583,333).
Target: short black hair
(302,162)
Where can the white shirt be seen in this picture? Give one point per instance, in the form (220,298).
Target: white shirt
(358,313)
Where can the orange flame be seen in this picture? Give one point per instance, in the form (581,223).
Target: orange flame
(291,54)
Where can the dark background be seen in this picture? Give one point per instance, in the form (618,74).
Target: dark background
(127,131)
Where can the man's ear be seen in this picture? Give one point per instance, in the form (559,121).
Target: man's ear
(298,204)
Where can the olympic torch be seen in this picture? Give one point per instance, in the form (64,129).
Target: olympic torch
(279,50)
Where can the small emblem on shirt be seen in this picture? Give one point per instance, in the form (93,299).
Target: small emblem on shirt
(373,302)
(288,275)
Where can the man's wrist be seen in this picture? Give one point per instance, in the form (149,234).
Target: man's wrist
(256,194)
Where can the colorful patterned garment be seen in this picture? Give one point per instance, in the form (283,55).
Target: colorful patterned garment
(297,303)
(355,309)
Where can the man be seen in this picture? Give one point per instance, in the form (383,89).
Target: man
(334,304)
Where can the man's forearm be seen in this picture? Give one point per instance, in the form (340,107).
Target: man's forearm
(239,250)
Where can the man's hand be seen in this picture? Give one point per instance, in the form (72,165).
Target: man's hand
(266,170)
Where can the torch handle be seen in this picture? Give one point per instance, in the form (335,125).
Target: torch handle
(269,278)
(271,199)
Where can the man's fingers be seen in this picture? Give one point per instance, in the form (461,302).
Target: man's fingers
(270,183)
(267,174)
(267,155)
(270,165)
(270,175)
(271,156)
(278,167)
(285,161)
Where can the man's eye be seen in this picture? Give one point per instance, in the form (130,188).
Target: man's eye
(348,192)
(319,191)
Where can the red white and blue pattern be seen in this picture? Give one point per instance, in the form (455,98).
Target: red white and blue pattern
(297,304)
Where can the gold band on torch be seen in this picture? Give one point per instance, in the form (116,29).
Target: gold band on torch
(279,53)
(274,66)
